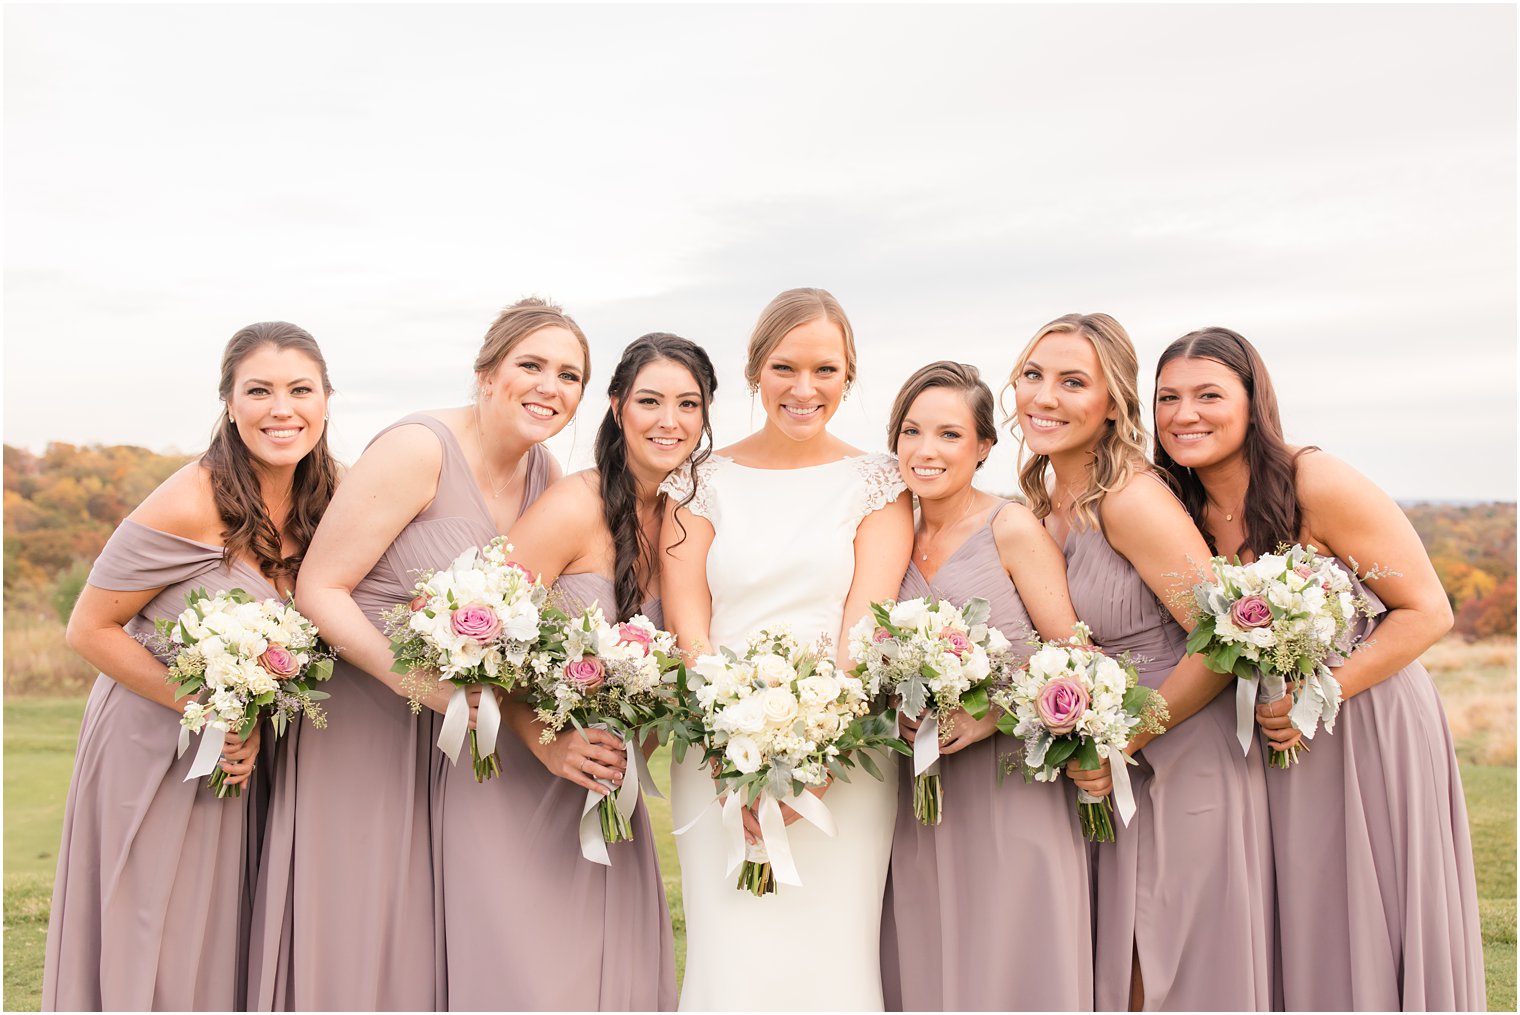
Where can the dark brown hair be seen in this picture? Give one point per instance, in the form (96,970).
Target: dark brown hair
(961,377)
(235,478)
(634,558)
(1272,514)
(520,320)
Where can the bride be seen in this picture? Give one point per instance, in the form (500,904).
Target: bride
(788,526)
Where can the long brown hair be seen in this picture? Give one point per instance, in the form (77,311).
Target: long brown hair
(1271,512)
(634,559)
(961,377)
(1121,449)
(235,478)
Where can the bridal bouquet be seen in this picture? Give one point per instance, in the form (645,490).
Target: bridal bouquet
(616,677)
(1069,700)
(243,658)
(1286,616)
(477,621)
(777,717)
(934,658)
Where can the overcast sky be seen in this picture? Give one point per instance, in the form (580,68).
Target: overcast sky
(1338,184)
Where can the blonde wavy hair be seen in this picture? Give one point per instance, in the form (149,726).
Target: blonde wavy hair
(1122,450)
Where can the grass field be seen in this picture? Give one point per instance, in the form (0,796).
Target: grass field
(39,750)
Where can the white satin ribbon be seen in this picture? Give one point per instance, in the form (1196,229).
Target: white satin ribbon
(1124,794)
(456,723)
(776,847)
(593,844)
(926,745)
(1245,711)
(208,753)
(487,722)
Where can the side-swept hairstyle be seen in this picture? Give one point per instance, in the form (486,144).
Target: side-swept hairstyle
(787,311)
(961,377)
(1271,513)
(516,323)
(634,558)
(234,476)
(1121,449)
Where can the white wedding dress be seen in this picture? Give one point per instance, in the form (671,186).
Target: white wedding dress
(783,552)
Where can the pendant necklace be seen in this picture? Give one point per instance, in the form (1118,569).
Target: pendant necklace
(924,556)
(485,458)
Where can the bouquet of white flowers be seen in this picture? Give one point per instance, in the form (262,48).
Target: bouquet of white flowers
(1286,616)
(1070,700)
(243,658)
(477,621)
(616,677)
(774,719)
(934,658)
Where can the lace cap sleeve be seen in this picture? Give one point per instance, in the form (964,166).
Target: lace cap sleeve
(883,481)
(678,487)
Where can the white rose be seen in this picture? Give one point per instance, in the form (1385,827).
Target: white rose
(909,614)
(996,641)
(744,753)
(263,683)
(976,666)
(744,716)
(780,706)
(772,670)
(817,689)
(1261,637)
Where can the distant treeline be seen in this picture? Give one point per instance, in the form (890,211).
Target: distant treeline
(61,506)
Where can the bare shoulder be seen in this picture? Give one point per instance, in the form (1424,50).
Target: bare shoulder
(411,446)
(1143,493)
(1321,479)
(183,505)
(1015,522)
(572,501)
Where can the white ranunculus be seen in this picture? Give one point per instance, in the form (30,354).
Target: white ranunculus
(909,614)
(744,753)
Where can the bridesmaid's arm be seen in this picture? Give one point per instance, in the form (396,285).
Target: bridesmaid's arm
(883,548)
(392,482)
(553,535)
(1037,568)
(1150,528)
(1346,514)
(684,593)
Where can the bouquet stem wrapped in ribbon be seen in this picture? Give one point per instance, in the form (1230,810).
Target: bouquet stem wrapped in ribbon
(773,720)
(1069,700)
(621,678)
(1286,617)
(935,659)
(474,623)
(243,659)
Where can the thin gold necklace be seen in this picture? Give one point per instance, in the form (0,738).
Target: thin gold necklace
(485,458)
(924,556)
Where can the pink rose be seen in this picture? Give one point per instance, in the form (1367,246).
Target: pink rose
(417,603)
(478,623)
(628,634)
(1250,612)
(1304,571)
(881,634)
(1061,704)
(279,662)
(585,673)
(958,643)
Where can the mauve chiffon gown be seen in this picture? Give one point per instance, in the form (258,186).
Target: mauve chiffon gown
(150,906)
(990,910)
(529,923)
(1377,903)
(344,916)
(1188,882)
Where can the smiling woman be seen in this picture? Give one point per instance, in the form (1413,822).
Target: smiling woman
(361,933)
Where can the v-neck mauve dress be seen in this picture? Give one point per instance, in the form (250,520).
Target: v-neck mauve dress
(1377,901)
(344,918)
(989,910)
(529,923)
(1188,882)
(150,905)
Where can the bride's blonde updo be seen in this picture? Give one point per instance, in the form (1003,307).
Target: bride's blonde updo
(1122,450)
(788,310)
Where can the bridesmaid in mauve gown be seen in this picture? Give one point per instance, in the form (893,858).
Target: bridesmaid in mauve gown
(989,910)
(1377,898)
(558,930)
(1183,909)
(149,908)
(345,909)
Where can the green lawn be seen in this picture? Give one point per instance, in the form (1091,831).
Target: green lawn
(39,751)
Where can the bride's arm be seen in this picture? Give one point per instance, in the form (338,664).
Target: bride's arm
(883,547)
